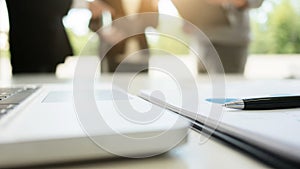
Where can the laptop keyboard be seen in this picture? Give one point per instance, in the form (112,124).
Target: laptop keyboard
(12,97)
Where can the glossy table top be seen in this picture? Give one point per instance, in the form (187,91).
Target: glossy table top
(192,155)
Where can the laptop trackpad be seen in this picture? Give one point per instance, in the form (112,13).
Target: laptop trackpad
(100,95)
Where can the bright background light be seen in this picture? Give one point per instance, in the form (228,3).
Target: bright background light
(167,7)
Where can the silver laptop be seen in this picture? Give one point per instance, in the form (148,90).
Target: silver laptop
(43,125)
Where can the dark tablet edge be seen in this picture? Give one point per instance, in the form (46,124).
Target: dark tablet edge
(253,151)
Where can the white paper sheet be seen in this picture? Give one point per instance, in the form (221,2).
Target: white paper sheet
(277,131)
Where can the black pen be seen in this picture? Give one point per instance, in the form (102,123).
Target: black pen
(265,103)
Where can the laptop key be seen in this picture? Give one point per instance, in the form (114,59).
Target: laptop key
(3,111)
(11,97)
(3,97)
(7,106)
(10,106)
(18,95)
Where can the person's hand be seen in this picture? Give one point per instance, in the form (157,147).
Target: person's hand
(187,28)
(237,3)
(112,34)
(97,7)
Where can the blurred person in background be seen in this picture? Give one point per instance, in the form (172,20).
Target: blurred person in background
(38,40)
(127,46)
(226,24)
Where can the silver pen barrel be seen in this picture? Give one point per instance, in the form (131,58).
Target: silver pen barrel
(235,105)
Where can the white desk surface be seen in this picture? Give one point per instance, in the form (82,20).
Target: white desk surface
(193,155)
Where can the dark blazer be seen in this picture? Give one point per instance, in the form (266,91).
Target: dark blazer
(115,51)
(38,41)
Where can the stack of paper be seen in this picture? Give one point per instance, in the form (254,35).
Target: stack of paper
(277,131)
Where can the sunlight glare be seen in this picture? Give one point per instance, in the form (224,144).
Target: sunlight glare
(167,7)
